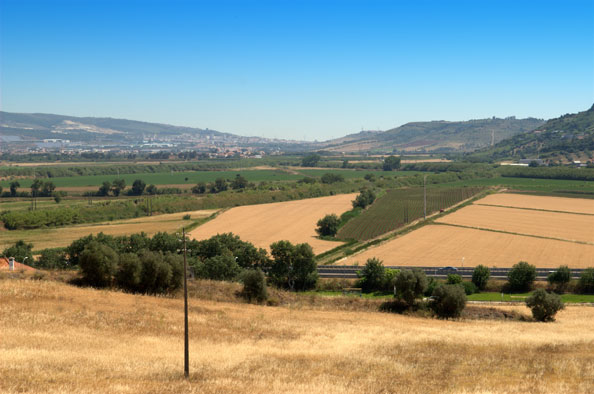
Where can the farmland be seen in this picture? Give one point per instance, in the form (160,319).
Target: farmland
(555,204)
(58,338)
(399,207)
(63,236)
(496,236)
(440,246)
(264,224)
(567,226)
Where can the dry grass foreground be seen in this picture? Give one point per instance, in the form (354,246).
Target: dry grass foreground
(577,205)
(57,338)
(439,246)
(566,226)
(63,236)
(264,224)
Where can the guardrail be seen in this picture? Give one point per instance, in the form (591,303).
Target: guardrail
(349,271)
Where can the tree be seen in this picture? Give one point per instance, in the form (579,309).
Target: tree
(533,163)
(448,301)
(104,189)
(544,305)
(310,160)
(254,286)
(330,178)
(364,199)
(454,279)
(155,275)
(47,189)
(372,276)
(560,278)
(98,263)
(14,185)
(129,271)
(410,285)
(293,266)
(151,189)
(118,186)
(35,187)
(21,251)
(586,282)
(480,276)
(521,276)
(328,225)
(1,189)
(220,267)
(391,163)
(138,187)
(219,185)
(239,182)
(200,188)
(52,259)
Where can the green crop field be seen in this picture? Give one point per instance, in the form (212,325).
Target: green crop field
(165,178)
(401,206)
(529,184)
(351,174)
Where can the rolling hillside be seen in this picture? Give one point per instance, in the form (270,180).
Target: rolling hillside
(566,138)
(436,136)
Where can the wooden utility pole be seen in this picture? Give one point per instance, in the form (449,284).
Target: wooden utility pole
(425,197)
(186,341)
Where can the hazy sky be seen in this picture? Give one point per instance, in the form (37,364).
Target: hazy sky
(297,69)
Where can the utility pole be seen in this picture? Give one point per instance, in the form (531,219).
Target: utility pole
(186,341)
(425,197)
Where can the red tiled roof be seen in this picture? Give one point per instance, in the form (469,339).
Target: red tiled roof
(17,266)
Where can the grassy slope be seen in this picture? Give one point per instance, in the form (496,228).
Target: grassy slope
(64,339)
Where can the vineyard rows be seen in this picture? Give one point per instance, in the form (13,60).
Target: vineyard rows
(399,207)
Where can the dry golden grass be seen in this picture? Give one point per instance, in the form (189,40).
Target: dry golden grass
(566,226)
(439,246)
(57,338)
(579,205)
(63,236)
(264,224)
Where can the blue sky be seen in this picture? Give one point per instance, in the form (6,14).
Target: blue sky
(297,69)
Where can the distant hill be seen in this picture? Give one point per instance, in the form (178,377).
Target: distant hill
(569,137)
(436,136)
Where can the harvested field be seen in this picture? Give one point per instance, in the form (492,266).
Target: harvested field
(578,205)
(540,223)
(264,224)
(440,246)
(57,338)
(63,236)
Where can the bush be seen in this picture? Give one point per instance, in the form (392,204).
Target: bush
(330,178)
(328,225)
(187,217)
(364,199)
(454,279)
(480,276)
(448,301)
(222,267)
(469,287)
(21,251)
(98,264)
(51,259)
(544,305)
(372,276)
(410,285)
(521,277)
(254,286)
(586,282)
(129,271)
(560,278)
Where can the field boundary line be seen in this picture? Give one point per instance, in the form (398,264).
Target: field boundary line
(535,209)
(512,233)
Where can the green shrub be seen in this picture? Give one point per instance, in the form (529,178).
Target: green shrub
(521,277)
(372,276)
(469,287)
(222,267)
(364,199)
(156,275)
(187,217)
(328,225)
(410,285)
(98,264)
(544,305)
(129,271)
(293,266)
(431,285)
(254,286)
(586,282)
(454,279)
(21,251)
(480,276)
(448,301)
(560,278)
(51,259)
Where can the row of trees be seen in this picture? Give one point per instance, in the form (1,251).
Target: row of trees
(221,185)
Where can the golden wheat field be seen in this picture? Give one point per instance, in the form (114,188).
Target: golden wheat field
(442,245)
(264,224)
(566,226)
(577,205)
(57,338)
(63,236)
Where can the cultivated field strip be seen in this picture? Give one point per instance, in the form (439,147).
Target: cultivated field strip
(439,246)
(264,224)
(560,204)
(558,225)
